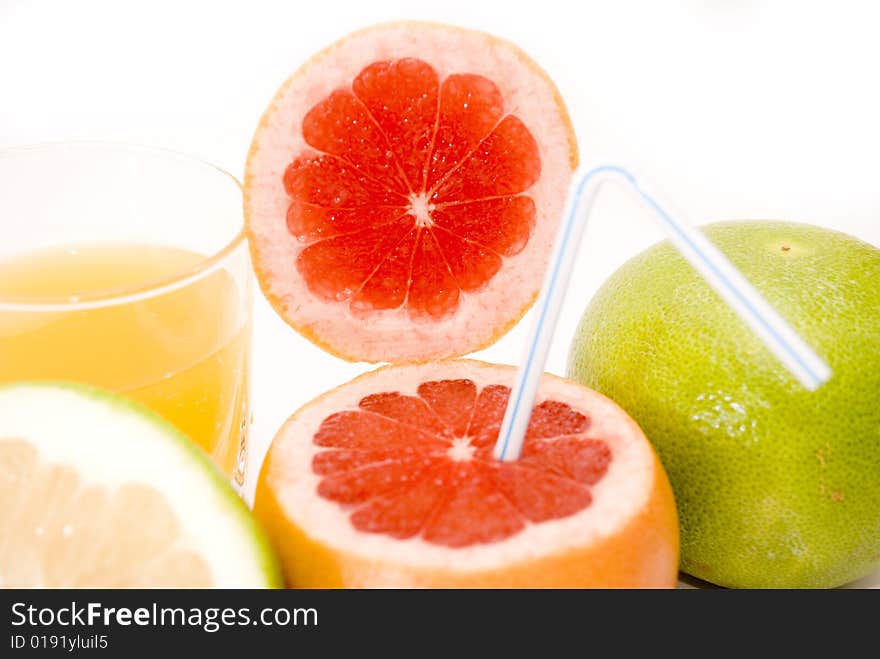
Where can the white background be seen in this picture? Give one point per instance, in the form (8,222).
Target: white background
(735,109)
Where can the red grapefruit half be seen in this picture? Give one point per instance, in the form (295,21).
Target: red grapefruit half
(403,189)
(389,481)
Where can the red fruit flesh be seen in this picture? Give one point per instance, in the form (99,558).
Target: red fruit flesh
(422,465)
(414,191)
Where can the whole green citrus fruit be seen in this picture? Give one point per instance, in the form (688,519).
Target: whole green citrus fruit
(776,486)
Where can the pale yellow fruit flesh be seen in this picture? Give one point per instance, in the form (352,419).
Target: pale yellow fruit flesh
(57,529)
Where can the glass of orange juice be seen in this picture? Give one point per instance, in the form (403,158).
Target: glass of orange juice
(126,268)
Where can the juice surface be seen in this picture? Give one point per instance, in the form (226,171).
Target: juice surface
(183,353)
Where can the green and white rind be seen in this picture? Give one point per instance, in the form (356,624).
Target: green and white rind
(776,486)
(111,441)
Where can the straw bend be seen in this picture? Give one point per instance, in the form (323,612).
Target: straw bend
(794,353)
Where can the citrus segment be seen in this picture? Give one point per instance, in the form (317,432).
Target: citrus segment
(390,480)
(408,180)
(470,107)
(401,97)
(338,267)
(100,493)
(505,162)
(502,225)
(452,401)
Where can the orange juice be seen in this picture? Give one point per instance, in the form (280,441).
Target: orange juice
(113,316)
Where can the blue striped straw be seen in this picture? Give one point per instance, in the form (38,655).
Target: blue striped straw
(803,363)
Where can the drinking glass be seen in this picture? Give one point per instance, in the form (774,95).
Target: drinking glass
(126,268)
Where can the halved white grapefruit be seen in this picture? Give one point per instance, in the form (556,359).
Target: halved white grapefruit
(96,491)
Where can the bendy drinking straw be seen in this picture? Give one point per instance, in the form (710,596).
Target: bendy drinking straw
(803,363)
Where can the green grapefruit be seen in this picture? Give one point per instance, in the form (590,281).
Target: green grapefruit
(775,486)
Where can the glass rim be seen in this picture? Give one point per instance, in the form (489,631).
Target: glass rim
(134,292)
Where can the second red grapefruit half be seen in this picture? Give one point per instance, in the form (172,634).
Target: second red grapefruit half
(389,481)
(403,190)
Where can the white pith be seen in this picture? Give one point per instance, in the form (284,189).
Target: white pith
(391,335)
(110,444)
(421,209)
(461,449)
(617,497)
